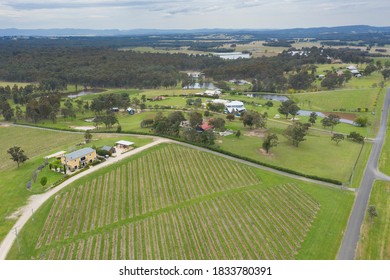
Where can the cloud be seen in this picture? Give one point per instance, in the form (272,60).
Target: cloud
(128,14)
(74,4)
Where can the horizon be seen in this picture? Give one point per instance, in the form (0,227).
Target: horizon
(190,14)
(208,28)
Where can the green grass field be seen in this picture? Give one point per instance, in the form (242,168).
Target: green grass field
(186,204)
(374,242)
(384,160)
(318,155)
(37,144)
(11,84)
(328,101)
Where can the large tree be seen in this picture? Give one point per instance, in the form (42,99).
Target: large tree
(254,119)
(313,117)
(288,107)
(17,154)
(296,133)
(196,119)
(337,137)
(330,121)
(218,123)
(6,110)
(271,140)
(301,81)
(88,136)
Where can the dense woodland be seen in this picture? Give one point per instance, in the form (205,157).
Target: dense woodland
(47,61)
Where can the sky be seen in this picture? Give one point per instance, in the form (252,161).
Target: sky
(191,14)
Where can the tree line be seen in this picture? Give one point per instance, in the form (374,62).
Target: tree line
(55,67)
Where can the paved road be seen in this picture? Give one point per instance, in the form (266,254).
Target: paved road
(36,201)
(351,237)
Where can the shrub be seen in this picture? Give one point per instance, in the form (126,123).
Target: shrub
(43,181)
(356,137)
(147,123)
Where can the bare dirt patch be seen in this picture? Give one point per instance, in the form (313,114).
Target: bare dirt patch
(347,116)
(264,153)
(83,127)
(15,215)
(256,133)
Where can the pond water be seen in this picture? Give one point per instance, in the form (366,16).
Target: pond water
(84,92)
(273,97)
(233,55)
(282,98)
(201,86)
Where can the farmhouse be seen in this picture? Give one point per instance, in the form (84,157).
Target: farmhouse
(212,92)
(235,107)
(195,75)
(79,158)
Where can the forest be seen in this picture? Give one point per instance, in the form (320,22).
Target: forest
(87,65)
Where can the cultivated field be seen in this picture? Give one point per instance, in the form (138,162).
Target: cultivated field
(178,203)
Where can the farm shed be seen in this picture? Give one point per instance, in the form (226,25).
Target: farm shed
(108,149)
(124,145)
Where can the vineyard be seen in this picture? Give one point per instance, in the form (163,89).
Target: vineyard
(177,203)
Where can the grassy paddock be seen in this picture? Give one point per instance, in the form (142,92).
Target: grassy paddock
(328,101)
(11,84)
(384,160)
(203,202)
(374,243)
(318,155)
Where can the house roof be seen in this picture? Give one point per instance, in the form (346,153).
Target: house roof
(235,103)
(125,143)
(106,148)
(79,153)
(206,126)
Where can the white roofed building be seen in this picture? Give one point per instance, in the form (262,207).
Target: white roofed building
(235,107)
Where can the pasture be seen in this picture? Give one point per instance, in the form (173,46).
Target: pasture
(173,202)
(318,155)
(384,160)
(374,243)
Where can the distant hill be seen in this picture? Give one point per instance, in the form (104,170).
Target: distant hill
(295,32)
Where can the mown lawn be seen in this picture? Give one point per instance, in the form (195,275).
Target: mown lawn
(374,243)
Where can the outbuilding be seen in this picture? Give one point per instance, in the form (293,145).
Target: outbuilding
(124,145)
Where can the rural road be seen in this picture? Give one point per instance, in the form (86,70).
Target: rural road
(36,201)
(351,237)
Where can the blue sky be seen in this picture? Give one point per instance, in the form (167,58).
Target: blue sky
(191,14)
